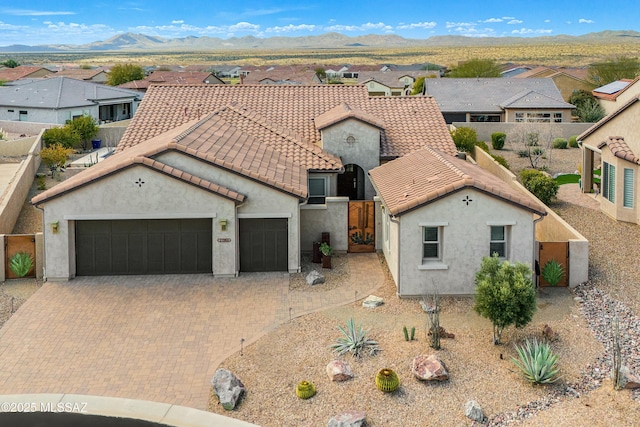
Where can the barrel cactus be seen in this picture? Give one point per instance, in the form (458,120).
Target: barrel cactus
(387,380)
(305,390)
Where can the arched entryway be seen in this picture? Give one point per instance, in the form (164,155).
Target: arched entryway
(351,182)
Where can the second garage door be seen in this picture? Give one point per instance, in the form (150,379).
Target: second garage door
(264,244)
(158,246)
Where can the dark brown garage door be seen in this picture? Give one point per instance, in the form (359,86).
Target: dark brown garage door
(155,246)
(264,244)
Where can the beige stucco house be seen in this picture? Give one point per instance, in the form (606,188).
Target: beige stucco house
(614,139)
(616,94)
(225,179)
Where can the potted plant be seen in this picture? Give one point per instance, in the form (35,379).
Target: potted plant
(326,251)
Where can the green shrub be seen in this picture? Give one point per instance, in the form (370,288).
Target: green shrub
(483,145)
(573,141)
(497,140)
(465,139)
(527,174)
(354,340)
(64,136)
(501,160)
(537,362)
(542,186)
(523,153)
(552,272)
(85,126)
(560,143)
(21,263)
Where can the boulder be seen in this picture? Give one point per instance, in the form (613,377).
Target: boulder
(372,301)
(348,419)
(339,370)
(315,278)
(443,333)
(473,411)
(549,333)
(227,387)
(429,368)
(628,380)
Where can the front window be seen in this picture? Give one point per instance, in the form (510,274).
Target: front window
(498,242)
(317,190)
(628,188)
(493,118)
(609,182)
(430,243)
(538,117)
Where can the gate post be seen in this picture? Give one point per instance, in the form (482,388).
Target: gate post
(39,237)
(3,257)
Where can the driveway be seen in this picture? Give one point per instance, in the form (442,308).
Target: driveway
(157,338)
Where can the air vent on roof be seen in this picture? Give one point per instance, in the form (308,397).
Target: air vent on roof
(462,156)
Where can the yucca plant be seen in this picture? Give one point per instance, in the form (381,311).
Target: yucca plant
(354,340)
(537,362)
(21,263)
(552,272)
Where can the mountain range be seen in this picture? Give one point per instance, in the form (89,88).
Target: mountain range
(132,42)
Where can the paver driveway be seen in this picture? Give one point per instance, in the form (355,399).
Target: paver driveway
(156,338)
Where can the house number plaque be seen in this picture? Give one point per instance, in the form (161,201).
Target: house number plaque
(224,239)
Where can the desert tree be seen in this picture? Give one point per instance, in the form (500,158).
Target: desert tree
(476,68)
(533,141)
(86,127)
(621,67)
(124,73)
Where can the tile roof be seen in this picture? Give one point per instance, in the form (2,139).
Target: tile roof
(20,72)
(427,175)
(173,77)
(303,75)
(410,122)
(211,139)
(620,149)
(606,119)
(80,73)
(343,112)
(487,94)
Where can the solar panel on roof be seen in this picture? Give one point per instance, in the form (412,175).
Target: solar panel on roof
(612,88)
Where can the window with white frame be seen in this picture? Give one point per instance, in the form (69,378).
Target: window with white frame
(609,182)
(431,243)
(538,117)
(317,190)
(627,187)
(498,243)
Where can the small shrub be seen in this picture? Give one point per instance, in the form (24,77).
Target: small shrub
(501,160)
(523,153)
(55,156)
(560,143)
(542,186)
(527,174)
(21,263)
(305,390)
(64,136)
(552,272)
(573,141)
(406,333)
(354,340)
(537,151)
(41,182)
(483,145)
(536,362)
(532,139)
(497,140)
(387,380)
(465,139)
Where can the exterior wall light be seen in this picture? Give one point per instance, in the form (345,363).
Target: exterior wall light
(55,226)
(223,225)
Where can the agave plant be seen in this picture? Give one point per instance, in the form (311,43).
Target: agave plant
(21,263)
(354,340)
(537,362)
(552,272)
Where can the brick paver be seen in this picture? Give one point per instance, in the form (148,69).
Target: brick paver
(573,194)
(157,338)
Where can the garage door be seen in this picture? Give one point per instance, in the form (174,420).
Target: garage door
(158,246)
(264,244)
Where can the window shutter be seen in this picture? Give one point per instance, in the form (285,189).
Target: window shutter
(604,185)
(628,188)
(612,183)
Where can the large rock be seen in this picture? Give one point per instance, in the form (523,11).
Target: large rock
(227,387)
(473,411)
(348,419)
(429,368)
(628,380)
(339,370)
(315,278)
(372,301)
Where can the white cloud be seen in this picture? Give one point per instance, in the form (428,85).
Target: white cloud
(459,24)
(586,21)
(525,31)
(28,12)
(547,21)
(363,27)
(177,21)
(515,22)
(291,28)
(506,18)
(492,20)
(244,26)
(420,25)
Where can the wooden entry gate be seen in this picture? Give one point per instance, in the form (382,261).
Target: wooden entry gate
(19,243)
(558,251)
(362,232)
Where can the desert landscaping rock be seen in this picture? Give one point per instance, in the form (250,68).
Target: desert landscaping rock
(372,301)
(629,380)
(348,419)
(429,368)
(227,387)
(472,410)
(339,370)
(315,278)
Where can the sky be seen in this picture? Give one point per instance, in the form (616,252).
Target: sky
(36,22)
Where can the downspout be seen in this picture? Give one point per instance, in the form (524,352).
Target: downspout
(44,245)
(236,267)
(397,221)
(535,252)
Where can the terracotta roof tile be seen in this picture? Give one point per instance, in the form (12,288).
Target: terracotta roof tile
(426,175)
(620,149)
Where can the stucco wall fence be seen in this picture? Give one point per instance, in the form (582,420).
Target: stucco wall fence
(514,130)
(552,228)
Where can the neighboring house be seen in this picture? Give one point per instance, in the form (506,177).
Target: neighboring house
(392,83)
(227,71)
(511,70)
(23,72)
(93,75)
(441,215)
(172,77)
(499,100)
(616,94)
(567,80)
(615,140)
(60,99)
(226,179)
(291,75)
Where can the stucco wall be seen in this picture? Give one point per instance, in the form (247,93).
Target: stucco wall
(47,115)
(465,238)
(622,99)
(17,147)
(625,125)
(364,152)
(331,217)
(616,209)
(110,135)
(27,128)
(514,130)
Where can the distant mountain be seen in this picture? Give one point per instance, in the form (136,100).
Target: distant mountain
(139,42)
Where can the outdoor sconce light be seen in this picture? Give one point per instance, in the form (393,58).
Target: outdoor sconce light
(55,226)
(223,225)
